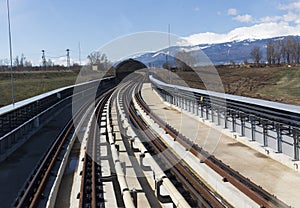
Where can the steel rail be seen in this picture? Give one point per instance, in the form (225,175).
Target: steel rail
(88,188)
(249,188)
(200,193)
(33,191)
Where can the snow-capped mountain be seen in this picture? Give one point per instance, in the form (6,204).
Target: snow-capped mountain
(219,53)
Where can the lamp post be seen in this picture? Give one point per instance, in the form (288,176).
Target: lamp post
(10,55)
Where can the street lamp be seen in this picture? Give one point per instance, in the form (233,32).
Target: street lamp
(10,55)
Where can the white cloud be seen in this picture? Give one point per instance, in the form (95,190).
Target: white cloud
(291,6)
(243,18)
(270,19)
(264,27)
(291,17)
(196,9)
(257,31)
(232,11)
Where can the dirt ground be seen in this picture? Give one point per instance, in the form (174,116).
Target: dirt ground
(277,83)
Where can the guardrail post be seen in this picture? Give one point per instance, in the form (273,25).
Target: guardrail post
(253,127)
(296,144)
(279,138)
(218,117)
(193,105)
(201,110)
(233,122)
(265,134)
(173,100)
(212,114)
(242,125)
(225,119)
(206,112)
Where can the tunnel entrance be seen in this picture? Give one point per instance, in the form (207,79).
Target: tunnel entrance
(127,67)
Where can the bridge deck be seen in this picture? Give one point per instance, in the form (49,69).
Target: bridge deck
(273,176)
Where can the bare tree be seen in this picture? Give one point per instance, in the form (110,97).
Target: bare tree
(99,59)
(277,50)
(270,52)
(17,61)
(256,54)
(22,60)
(298,52)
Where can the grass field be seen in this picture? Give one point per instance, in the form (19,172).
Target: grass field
(29,84)
(281,84)
(285,87)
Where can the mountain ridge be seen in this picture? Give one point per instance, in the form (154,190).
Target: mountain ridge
(237,51)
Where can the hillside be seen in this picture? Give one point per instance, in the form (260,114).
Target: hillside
(280,84)
(219,53)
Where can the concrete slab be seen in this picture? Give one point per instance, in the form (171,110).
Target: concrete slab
(273,176)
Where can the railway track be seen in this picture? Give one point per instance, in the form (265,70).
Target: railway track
(91,191)
(100,129)
(33,192)
(31,195)
(195,191)
(255,192)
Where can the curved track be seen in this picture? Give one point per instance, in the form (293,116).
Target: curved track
(189,184)
(255,192)
(91,191)
(195,191)
(33,191)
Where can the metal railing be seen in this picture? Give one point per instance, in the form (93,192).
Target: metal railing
(271,124)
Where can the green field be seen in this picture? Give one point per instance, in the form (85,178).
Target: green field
(29,84)
(285,86)
(281,84)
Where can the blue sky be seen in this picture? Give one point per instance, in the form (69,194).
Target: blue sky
(55,25)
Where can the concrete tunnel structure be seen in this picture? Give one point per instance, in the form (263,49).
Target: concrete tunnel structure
(128,66)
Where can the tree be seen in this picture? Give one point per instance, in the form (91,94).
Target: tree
(277,51)
(298,52)
(99,59)
(16,61)
(256,54)
(22,60)
(270,52)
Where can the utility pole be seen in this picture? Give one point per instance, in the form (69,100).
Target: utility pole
(169,42)
(10,55)
(68,58)
(44,59)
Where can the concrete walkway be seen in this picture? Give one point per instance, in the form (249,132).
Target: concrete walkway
(273,176)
